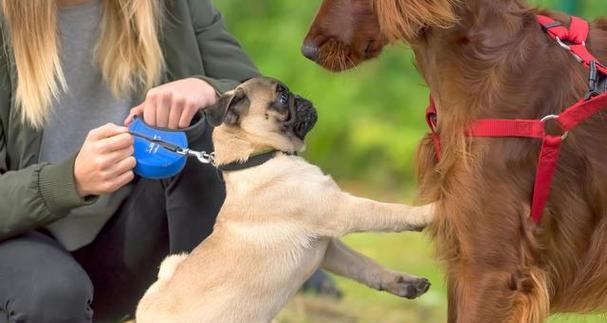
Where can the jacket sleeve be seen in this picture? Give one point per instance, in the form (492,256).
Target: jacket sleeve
(225,63)
(35,195)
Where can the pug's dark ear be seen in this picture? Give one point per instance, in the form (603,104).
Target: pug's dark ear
(238,106)
(228,108)
(216,112)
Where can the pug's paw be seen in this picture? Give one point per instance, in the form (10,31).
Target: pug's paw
(418,228)
(407,287)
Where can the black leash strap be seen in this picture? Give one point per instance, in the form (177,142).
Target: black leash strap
(167,145)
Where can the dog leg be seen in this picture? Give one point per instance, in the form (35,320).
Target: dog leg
(508,296)
(342,260)
(355,214)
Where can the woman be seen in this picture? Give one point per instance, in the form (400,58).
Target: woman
(72,214)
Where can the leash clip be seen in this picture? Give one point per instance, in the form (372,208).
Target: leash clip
(202,156)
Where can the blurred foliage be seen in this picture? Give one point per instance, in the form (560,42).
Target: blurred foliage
(371,120)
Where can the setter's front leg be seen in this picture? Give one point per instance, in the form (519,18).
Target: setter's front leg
(492,270)
(480,295)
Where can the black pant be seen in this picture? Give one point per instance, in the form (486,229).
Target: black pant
(42,282)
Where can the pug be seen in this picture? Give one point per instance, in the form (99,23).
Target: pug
(282,219)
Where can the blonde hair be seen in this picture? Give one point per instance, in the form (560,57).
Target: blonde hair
(128,51)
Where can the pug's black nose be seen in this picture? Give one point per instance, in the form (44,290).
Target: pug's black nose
(306,118)
(310,51)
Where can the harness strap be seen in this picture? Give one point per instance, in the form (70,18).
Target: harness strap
(546,167)
(507,128)
(574,40)
(577,32)
(581,111)
(432,121)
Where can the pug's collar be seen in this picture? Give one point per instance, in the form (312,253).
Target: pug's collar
(253,161)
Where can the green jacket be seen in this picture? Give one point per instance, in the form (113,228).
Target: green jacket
(34,194)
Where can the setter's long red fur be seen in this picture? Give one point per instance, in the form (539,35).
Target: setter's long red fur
(491,59)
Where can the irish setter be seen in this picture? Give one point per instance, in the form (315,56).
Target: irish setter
(491,59)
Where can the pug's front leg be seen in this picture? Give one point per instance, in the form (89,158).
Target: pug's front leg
(342,260)
(355,214)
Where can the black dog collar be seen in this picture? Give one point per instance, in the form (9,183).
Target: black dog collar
(253,161)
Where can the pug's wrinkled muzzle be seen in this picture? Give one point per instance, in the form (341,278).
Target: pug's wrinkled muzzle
(305,117)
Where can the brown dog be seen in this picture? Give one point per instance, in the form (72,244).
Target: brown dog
(491,59)
(280,221)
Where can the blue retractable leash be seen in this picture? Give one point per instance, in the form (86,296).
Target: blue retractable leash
(162,153)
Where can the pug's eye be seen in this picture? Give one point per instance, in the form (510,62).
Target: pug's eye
(282,95)
(283,98)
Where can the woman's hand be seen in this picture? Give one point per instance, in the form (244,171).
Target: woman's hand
(173,105)
(105,162)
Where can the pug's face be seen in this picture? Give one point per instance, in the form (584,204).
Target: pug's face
(265,112)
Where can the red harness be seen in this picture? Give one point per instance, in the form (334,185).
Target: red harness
(574,40)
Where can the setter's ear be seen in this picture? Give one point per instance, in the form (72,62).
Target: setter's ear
(228,109)
(404,19)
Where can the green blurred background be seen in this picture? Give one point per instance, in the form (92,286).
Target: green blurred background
(370,121)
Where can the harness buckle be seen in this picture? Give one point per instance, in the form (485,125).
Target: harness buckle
(555,117)
(596,85)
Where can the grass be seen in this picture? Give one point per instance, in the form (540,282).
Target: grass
(408,252)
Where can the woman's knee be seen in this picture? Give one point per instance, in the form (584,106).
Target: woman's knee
(60,297)
(41,282)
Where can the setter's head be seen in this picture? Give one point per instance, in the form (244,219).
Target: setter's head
(347,32)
